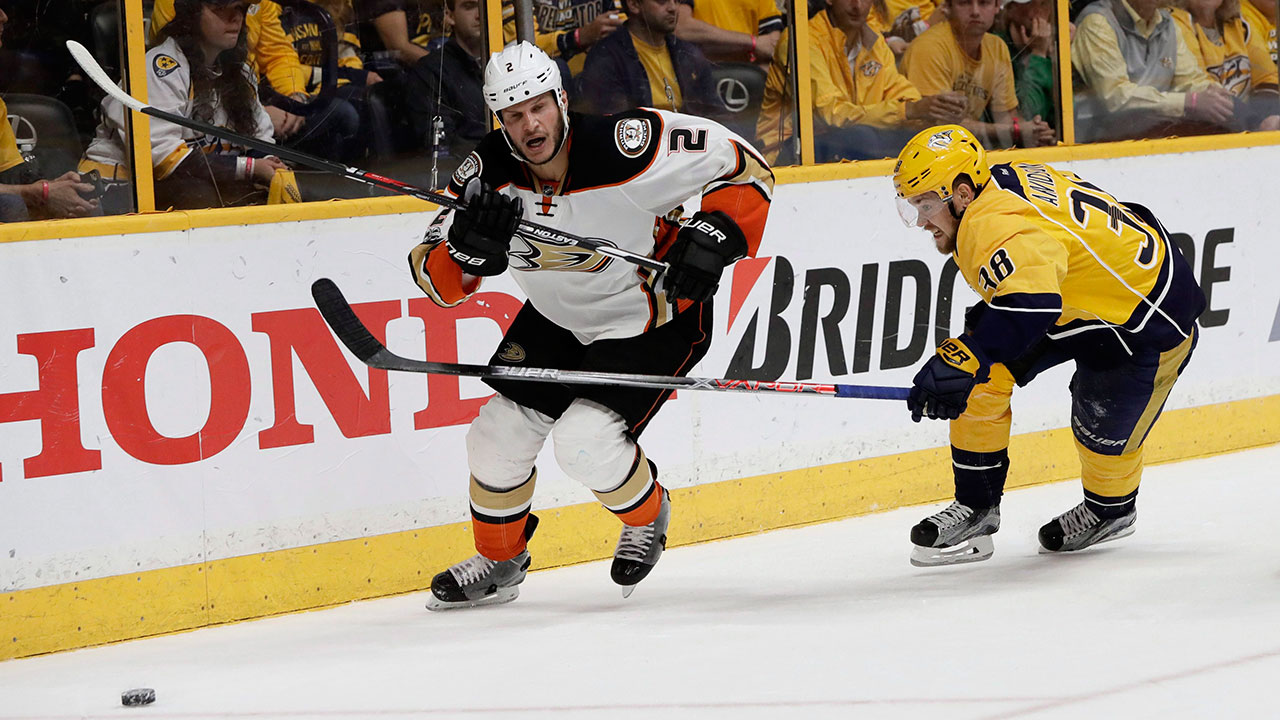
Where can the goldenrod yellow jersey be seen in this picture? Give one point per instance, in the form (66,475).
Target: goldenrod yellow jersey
(1052,254)
(9,153)
(1237,58)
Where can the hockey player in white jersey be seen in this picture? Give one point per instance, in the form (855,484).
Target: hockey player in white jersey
(622,178)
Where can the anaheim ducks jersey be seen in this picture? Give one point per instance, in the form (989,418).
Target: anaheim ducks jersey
(1051,253)
(168,89)
(628,176)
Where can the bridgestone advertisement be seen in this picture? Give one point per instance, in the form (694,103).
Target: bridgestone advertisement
(173,398)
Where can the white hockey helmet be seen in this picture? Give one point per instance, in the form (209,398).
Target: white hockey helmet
(520,72)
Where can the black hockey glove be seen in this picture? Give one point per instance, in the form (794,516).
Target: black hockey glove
(705,244)
(940,391)
(481,232)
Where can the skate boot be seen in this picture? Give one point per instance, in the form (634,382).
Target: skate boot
(958,534)
(639,549)
(1079,527)
(480,581)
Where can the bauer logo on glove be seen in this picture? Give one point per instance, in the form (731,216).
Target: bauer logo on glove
(705,244)
(481,232)
(958,355)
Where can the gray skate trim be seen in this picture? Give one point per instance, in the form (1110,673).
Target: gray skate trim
(1108,530)
(975,549)
(503,595)
(978,523)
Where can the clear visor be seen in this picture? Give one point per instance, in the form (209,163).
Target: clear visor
(918,209)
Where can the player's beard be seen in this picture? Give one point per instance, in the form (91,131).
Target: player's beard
(553,140)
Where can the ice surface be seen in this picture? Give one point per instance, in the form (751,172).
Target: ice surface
(1181,620)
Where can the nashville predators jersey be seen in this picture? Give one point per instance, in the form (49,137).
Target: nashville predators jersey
(1237,58)
(628,178)
(1052,254)
(169,88)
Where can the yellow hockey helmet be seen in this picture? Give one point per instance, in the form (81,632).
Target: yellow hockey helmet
(934,158)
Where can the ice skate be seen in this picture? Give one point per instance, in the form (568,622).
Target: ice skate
(639,549)
(480,581)
(1079,527)
(958,534)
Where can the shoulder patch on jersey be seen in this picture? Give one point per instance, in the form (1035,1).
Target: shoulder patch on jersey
(163,64)
(632,136)
(471,167)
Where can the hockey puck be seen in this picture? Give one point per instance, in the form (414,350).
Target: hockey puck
(138,696)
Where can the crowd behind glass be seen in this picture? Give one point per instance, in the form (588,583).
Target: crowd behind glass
(394,86)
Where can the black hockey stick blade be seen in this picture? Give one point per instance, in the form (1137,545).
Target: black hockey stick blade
(337,312)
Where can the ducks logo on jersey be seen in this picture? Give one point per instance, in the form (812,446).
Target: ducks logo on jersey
(632,136)
(471,167)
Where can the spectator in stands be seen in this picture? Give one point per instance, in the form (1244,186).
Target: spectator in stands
(449,84)
(199,71)
(404,29)
(962,55)
(566,29)
(1260,16)
(1140,78)
(1028,31)
(901,21)
(23,193)
(306,34)
(1237,59)
(303,26)
(648,66)
(270,54)
(861,111)
(731,30)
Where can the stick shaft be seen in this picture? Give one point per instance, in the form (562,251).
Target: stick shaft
(526,228)
(342,319)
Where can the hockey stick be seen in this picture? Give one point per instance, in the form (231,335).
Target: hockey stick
(339,315)
(526,229)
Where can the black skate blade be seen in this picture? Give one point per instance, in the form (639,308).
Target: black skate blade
(501,596)
(973,550)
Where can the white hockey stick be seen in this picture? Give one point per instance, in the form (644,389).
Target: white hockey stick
(526,229)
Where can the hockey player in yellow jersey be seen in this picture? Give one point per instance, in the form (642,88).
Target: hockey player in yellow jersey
(1066,273)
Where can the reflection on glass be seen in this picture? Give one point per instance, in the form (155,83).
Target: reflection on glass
(741,38)
(1029,29)
(198,70)
(963,63)
(337,111)
(444,98)
(1237,59)
(567,29)
(644,63)
(1137,77)
(46,110)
